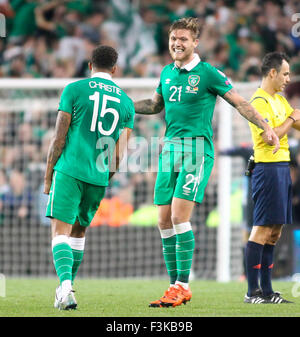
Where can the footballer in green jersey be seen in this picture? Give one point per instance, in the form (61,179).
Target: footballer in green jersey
(99,111)
(187,91)
(190,94)
(94,122)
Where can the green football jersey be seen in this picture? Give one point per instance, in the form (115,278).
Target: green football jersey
(190,95)
(100,111)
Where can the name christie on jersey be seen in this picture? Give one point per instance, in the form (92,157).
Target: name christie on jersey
(106,87)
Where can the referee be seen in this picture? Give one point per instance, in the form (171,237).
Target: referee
(271,181)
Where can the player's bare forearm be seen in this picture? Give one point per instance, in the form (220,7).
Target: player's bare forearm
(54,152)
(245,108)
(247,111)
(56,146)
(150,106)
(144,107)
(253,116)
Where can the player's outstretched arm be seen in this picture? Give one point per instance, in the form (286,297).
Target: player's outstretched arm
(56,146)
(253,116)
(150,106)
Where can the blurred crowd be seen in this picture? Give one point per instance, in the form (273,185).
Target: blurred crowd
(55,38)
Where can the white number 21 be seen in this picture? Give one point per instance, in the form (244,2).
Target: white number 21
(175,89)
(104,110)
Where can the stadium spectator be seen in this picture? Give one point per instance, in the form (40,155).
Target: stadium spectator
(17,202)
(24,147)
(128,25)
(293,89)
(50,18)
(4,188)
(23,22)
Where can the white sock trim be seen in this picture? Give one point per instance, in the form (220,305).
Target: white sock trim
(183,227)
(60,239)
(77,243)
(167,233)
(184,285)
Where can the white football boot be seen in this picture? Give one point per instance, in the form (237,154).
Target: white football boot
(64,303)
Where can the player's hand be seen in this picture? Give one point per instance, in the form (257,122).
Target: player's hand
(273,139)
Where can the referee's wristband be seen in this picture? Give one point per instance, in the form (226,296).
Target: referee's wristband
(292,118)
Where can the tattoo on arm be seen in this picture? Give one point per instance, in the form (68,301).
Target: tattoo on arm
(58,142)
(150,106)
(244,108)
(229,97)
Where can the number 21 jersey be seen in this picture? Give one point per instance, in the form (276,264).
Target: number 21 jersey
(190,95)
(100,111)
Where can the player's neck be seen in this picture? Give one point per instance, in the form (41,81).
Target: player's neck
(179,64)
(95,71)
(268,87)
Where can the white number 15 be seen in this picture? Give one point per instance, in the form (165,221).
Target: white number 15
(104,110)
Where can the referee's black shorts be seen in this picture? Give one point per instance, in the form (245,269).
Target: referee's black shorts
(272,194)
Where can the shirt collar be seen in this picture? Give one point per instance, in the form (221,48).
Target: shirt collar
(190,65)
(100,74)
(264,93)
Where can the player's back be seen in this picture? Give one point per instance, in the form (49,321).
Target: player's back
(100,111)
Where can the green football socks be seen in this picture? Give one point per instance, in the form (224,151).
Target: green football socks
(178,249)
(77,245)
(185,246)
(62,257)
(168,238)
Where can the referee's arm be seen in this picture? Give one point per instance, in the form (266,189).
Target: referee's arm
(292,121)
(296,124)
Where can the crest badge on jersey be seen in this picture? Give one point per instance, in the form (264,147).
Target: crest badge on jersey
(192,87)
(193,80)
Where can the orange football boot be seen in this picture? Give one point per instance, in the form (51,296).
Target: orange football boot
(186,293)
(157,303)
(173,297)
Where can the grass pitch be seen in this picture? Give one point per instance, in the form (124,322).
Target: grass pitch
(130,298)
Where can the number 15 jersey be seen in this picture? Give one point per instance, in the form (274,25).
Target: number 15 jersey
(100,111)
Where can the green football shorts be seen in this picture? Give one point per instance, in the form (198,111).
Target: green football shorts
(183,176)
(70,198)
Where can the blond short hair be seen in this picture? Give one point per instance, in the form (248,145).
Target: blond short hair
(191,24)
